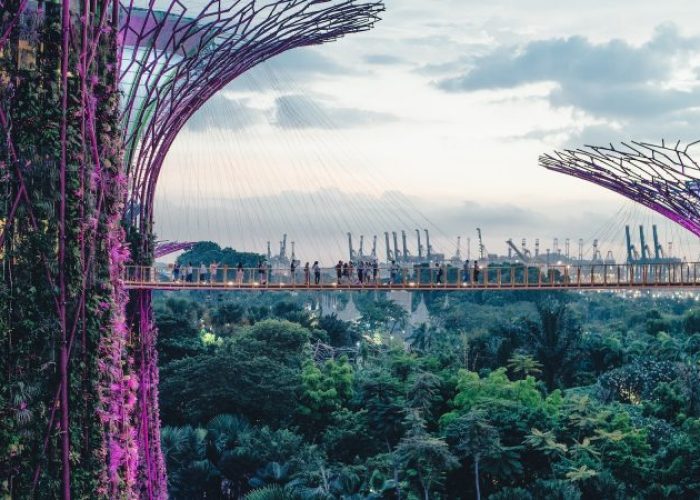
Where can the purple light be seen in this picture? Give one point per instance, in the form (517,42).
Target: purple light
(172,62)
(664,179)
(175,60)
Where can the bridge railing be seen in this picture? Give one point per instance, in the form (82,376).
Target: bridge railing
(494,276)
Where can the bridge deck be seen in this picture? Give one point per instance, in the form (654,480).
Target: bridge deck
(681,276)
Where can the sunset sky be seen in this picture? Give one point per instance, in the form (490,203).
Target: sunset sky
(436,119)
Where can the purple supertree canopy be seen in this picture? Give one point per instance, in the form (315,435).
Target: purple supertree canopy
(663,178)
(175,59)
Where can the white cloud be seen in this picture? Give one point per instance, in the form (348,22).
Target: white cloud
(450,147)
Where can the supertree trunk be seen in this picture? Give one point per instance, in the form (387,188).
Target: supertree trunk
(152,480)
(67,391)
(172,63)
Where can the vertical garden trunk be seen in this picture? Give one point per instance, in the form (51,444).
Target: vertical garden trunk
(63,400)
(63,363)
(152,477)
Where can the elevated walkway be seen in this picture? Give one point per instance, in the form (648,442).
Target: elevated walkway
(502,277)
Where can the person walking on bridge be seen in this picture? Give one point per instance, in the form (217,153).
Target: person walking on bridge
(293,271)
(239,273)
(393,272)
(176,271)
(440,274)
(339,270)
(261,272)
(265,272)
(202,272)
(317,273)
(307,274)
(465,271)
(213,268)
(477,271)
(190,272)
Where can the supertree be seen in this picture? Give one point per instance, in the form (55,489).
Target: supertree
(173,61)
(663,178)
(92,94)
(66,390)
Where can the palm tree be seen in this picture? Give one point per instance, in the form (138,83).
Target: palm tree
(581,473)
(169,439)
(546,442)
(223,435)
(423,338)
(670,348)
(584,414)
(224,430)
(267,493)
(273,473)
(524,365)
(185,452)
(584,450)
(555,340)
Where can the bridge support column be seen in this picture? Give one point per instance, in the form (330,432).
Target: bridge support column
(151,479)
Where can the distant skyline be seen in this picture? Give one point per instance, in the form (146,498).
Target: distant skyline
(448,103)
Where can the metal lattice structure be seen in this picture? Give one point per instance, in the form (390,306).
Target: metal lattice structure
(172,61)
(176,59)
(664,178)
(169,247)
(92,95)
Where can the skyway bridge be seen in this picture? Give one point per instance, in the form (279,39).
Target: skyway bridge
(680,276)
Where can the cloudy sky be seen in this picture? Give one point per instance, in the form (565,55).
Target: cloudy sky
(436,119)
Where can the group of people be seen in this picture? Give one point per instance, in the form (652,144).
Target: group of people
(349,272)
(189,273)
(470,274)
(308,270)
(366,271)
(192,274)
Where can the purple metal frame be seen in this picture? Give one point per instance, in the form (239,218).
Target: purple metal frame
(167,247)
(171,63)
(663,178)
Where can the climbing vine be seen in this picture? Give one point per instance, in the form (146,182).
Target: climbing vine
(101,382)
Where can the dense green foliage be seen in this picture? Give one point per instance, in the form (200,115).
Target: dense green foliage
(503,396)
(206,252)
(30,297)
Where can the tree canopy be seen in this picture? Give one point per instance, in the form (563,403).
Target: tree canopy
(582,396)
